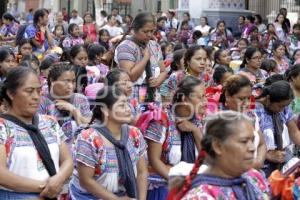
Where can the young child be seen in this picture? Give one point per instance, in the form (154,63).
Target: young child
(73,38)
(96,70)
(58,35)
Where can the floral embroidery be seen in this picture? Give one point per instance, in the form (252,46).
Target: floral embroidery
(135,135)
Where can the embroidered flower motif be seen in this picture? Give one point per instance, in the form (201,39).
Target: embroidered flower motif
(8,145)
(97,142)
(134,133)
(97,170)
(86,134)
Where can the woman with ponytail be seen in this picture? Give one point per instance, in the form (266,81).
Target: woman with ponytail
(110,154)
(142,58)
(35,161)
(227,147)
(278,125)
(176,136)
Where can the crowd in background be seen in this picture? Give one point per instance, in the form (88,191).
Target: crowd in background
(148,107)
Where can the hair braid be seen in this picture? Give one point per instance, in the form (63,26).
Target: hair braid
(179,192)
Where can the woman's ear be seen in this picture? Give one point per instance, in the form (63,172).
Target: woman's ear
(217,147)
(227,96)
(104,110)
(10,95)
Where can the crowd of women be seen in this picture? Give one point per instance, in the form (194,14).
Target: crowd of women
(159,110)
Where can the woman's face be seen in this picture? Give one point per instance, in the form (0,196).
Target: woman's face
(254,33)
(197,99)
(202,21)
(185,17)
(44,21)
(241,20)
(145,33)
(26,49)
(235,154)
(296,82)
(169,50)
(8,64)
(104,37)
(271,29)
(225,58)
(81,59)
(88,19)
(255,61)
(277,107)
(27,97)
(76,31)
(125,84)
(242,45)
(59,31)
(280,51)
(185,27)
(127,19)
(59,17)
(120,111)
(254,43)
(161,23)
(197,64)
(280,19)
(240,101)
(297,55)
(221,27)
(64,86)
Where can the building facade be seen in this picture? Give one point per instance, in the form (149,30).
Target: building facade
(269,9)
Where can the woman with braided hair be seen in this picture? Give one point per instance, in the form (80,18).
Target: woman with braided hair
(228,149)
(176,136)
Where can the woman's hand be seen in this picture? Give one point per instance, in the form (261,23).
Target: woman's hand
(146,53)
(154,82)
(64,105)
(185,126)
(276,156)
(53,187)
